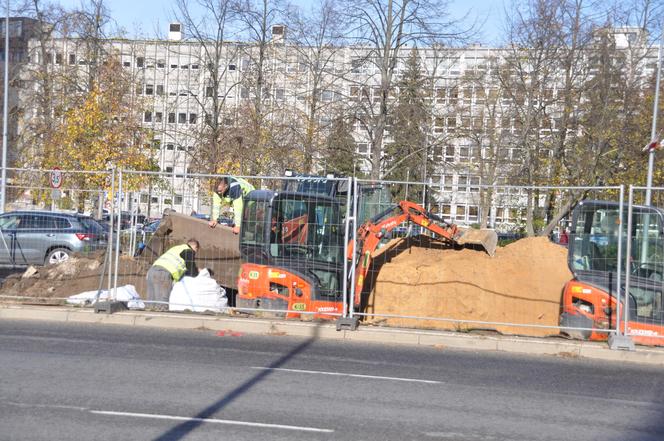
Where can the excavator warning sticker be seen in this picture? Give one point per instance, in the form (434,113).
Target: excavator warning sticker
(276,275)
(643,332)
(253,275)
(299,306)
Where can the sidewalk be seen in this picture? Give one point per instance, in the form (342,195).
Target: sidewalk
(367,334)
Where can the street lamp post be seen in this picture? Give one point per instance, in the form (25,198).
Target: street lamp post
(3,185)
(653,131)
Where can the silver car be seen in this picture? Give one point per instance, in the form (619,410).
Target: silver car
(46,237)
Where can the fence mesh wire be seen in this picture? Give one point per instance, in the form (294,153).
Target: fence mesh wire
(302,251)
(645,262)
(418,278)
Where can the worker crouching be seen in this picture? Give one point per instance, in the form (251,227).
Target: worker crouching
(170,267)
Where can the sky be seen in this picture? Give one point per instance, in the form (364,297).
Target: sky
(148,17)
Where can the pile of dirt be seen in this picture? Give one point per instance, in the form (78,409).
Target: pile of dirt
(220,252)
(521,284)
(220,247)
(76,275)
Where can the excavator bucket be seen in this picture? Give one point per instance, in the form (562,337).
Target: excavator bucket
(487,239)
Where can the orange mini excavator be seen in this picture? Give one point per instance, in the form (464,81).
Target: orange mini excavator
(590,300)
(292,248)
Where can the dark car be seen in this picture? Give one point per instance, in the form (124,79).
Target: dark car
(46,237)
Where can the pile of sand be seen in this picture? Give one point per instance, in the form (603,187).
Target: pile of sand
(521,284)
(76,275)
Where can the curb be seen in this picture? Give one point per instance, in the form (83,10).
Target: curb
(438,339)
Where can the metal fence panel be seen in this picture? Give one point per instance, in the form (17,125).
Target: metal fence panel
(55,217)
(293,246)
(416,278)
(644,320)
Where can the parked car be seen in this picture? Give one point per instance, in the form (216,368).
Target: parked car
(46,237)
(125,221)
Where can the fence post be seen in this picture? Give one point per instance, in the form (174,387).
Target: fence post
(348,320)
(620,340)
(117,237)
(109,306)
(346,240)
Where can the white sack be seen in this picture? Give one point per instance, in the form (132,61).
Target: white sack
(126,293)
(198,294)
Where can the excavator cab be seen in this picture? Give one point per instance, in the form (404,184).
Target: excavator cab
(292,249)
(589,300)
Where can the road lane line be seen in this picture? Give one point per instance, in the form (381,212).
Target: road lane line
(341,374)
(211,420)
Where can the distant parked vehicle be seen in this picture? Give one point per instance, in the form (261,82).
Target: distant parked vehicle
(46,237)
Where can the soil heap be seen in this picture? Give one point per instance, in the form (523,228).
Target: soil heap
(521,284)
(78,274)
(220,252)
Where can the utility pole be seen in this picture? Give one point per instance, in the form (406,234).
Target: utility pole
(3,185)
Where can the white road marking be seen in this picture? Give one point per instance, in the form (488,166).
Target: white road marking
(341,374)
(211,420)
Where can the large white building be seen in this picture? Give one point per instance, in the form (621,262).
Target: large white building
(173,79)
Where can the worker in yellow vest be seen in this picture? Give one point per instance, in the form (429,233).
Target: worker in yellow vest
(170,267)
(229,191)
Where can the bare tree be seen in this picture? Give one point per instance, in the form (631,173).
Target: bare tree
(316,38)
(382,30)
(209,24)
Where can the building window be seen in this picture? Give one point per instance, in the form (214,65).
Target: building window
(147,117)
(182,118)
(169,170)
(158,117)
(451,123)
(72,59)
(171,118)
(192,118)
(461,212)
(58,58)
(473,212)
(194,66)
(160,64)
(174,66)
(178,199)
(154,200)
(462,182)
(447,183)
(362,147)
(244,93)
(209,92)
(160,89)
(140,61)
(439,124)
(149,89)
(279,94)
(232,67)
(127,64)
(170,146)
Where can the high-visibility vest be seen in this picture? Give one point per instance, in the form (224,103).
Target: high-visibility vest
(237,204)
(172,262)
(244,185)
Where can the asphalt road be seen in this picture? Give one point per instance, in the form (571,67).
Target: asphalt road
(84,382)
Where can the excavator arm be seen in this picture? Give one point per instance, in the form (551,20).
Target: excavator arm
(374,230)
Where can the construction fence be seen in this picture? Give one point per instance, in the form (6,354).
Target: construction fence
(402,274)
